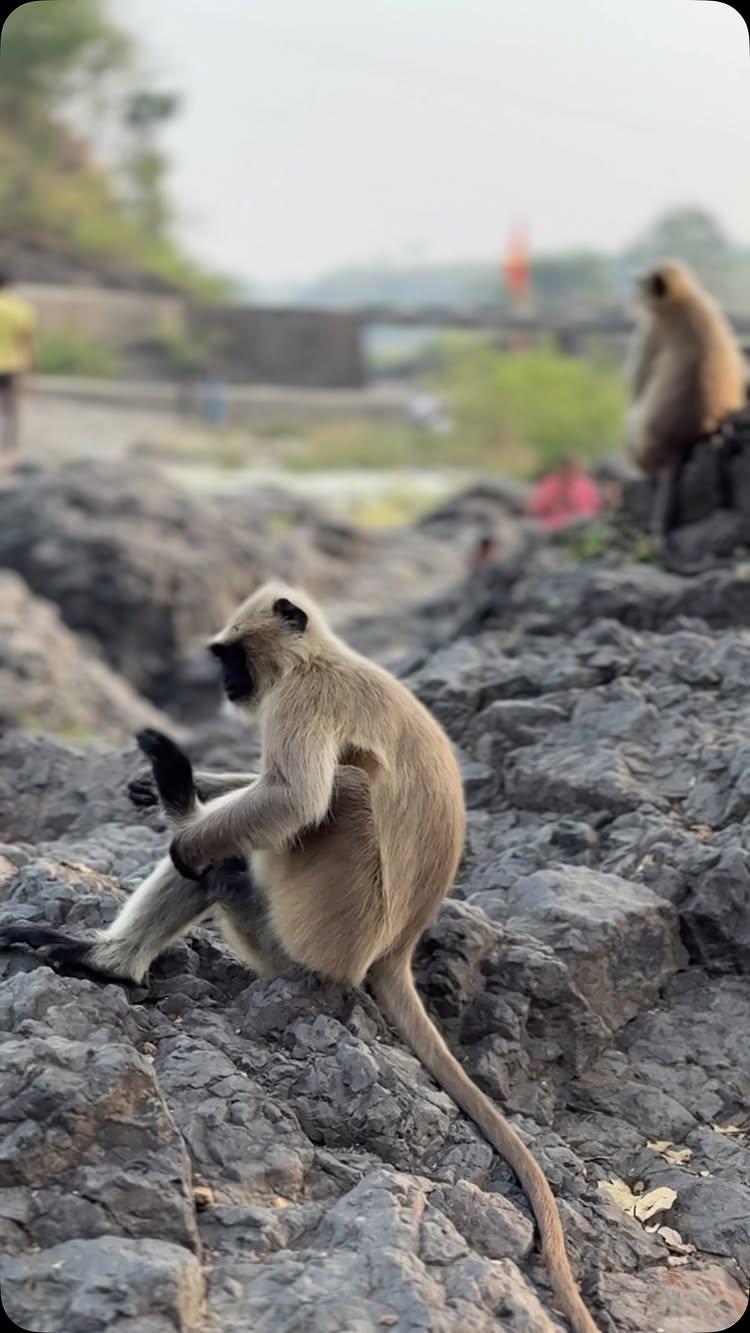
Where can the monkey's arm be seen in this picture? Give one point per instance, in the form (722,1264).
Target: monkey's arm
(294,792)
(640,359)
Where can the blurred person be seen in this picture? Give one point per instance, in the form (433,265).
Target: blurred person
(565,495)
(215,407)
(17,325)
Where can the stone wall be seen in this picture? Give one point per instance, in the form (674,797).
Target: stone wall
(307,348)
(117,318)
(304,348)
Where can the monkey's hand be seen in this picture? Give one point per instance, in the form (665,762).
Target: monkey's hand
(183,859)
(202,841)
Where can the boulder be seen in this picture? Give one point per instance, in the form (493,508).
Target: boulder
(51,680)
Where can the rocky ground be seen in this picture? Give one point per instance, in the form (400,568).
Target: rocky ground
(214,1153)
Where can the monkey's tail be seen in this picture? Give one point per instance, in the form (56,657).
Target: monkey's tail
(173,772)
(397,995)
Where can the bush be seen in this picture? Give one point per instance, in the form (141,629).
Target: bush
(538,402)
(70,353)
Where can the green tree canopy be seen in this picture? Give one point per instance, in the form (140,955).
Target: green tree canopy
(50,47)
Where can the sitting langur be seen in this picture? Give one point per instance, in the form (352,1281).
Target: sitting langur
(687,376)
(352,833)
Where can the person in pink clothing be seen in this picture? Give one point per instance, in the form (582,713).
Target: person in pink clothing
(565,495)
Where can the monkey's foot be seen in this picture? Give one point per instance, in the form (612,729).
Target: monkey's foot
(173,771)
(142,792)
(63,952)
(60,950)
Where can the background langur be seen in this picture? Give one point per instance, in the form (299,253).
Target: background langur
(352,833)
(687,376)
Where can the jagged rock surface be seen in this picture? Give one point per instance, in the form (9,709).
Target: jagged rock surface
(145,571)
(51,679)
(236,1153)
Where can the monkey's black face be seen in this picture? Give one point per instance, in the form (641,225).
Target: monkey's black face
(236,674)
(653,286)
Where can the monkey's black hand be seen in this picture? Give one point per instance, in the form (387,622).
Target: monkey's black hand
(180,862)
(143,793)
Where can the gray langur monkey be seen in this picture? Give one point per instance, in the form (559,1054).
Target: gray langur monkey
(352,834)
(688,377)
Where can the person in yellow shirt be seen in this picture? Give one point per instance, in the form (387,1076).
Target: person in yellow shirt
(17,325)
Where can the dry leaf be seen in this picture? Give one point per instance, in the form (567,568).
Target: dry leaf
(674,1240)
(640,1206)
(619,1193)
(675,1156)
(656,1201)
(730,1129)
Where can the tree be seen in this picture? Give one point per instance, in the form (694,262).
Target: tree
(690,234)
(146,165)
(51,48)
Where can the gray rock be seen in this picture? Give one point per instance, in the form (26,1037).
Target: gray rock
(86,1132)
(620,941)
(138,564)
(50,680)
(383,1256)
(135,1286)
(599,712)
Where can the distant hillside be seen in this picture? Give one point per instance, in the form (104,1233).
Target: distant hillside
(566,283)
(67,74)
(61,221)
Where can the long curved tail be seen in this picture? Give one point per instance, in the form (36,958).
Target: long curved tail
(394,988)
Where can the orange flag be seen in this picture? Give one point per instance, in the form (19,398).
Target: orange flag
(517,264)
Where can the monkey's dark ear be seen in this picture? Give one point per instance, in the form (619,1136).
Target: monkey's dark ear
(293,615)
(658,285)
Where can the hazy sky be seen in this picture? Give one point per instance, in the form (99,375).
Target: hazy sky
(317,133)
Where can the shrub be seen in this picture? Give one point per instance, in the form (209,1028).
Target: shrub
(69,353)
(539,400)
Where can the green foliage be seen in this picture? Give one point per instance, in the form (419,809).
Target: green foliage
(188,353)
(51,46)
(588,543)
(52,192)
(68,353)
(513,413)
(544,402)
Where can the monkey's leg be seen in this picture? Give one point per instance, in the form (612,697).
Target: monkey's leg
(724,478)
(160,910)
(218,784)
(173,772)
(669,511)
(243,917)
(143,791)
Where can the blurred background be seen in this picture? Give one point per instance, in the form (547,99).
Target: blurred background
(328,292)
(364,251)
